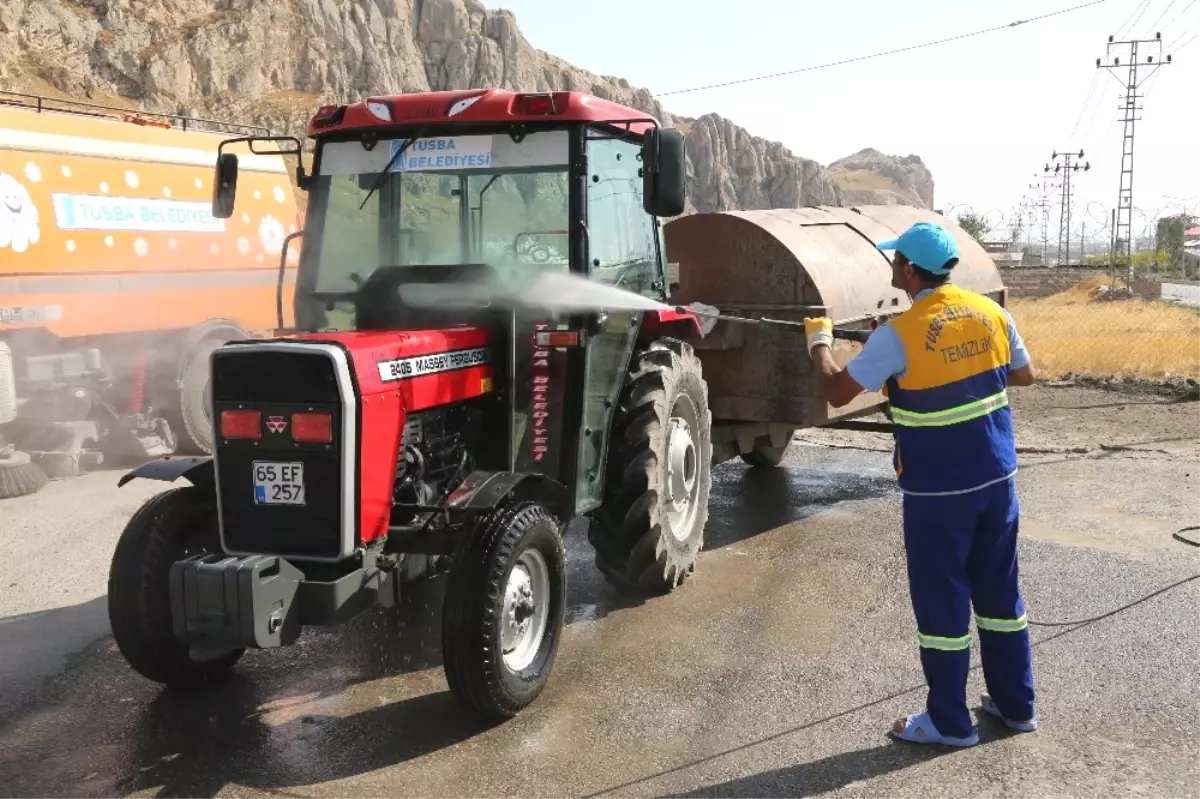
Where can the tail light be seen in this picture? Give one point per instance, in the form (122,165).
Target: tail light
(312,428)
(557,338)
(539,104)
(328,115)
(241,425)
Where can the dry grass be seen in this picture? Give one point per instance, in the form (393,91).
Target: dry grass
(1072,332)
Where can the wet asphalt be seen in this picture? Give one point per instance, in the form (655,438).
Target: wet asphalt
(775,671)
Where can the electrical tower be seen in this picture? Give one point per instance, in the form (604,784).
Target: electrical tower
(1066,169)
(1043,205)
(1138,65)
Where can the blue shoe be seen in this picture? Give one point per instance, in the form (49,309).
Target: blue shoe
(919,729)
(1017,726)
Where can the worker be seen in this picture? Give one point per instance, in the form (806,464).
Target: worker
(945,365)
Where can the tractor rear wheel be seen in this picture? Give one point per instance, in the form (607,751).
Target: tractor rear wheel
(504,610)
(189,415)
(168,527)
(650,529)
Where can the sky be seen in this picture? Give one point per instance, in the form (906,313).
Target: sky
(984,113)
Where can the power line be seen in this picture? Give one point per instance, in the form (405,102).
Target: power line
(856,59)
(1183,11)
(1160,16)
(1139,17)
(1186,31)
(1138,11)
(1189,41)
(1086,103)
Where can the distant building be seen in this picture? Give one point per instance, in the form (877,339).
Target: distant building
(1005,254)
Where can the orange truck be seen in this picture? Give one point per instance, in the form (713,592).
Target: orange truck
(116,281)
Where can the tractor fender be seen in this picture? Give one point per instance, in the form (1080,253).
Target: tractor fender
(213,328)
(672,322)
(483,490)
(198,469)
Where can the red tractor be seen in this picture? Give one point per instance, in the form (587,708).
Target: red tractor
(387,436)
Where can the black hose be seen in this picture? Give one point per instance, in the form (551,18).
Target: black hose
(1178,537)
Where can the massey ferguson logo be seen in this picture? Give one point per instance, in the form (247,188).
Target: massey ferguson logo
(276,424)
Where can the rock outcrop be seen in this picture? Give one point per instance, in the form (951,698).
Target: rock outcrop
(272,62)
(730,168)
(870,177)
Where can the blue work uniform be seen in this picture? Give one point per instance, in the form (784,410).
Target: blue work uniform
(944,366)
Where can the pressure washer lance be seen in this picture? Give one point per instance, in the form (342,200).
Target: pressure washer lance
(707,311)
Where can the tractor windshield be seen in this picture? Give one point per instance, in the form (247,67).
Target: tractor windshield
(445,200)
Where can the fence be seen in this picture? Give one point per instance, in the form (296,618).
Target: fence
(1076,321)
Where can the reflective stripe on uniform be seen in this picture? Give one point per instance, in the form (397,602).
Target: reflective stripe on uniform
(1002,625)
(944,644)
(956,415)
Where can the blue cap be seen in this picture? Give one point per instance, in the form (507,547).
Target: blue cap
(927,245)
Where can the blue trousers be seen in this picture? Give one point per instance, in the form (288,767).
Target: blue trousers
(962,551)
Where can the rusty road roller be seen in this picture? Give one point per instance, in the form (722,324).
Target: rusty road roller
(787,264)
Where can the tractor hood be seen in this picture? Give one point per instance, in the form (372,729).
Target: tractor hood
(425,368)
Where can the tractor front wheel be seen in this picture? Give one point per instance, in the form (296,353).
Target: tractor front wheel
(650,531)
(504,609)
(168,527)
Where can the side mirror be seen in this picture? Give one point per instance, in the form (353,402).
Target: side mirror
(224,185)
(664,172)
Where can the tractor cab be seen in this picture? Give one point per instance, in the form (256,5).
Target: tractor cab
(428,212)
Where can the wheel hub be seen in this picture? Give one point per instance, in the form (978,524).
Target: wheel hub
(525,613)
(682,471)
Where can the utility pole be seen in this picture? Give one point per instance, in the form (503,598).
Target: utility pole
(1112,245)
(1143,57)
(1043,204)
(1064,219)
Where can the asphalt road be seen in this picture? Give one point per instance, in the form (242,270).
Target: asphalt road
(774,672)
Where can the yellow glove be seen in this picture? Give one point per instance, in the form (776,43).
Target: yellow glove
(819,332)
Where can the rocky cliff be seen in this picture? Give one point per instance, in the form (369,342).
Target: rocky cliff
(871,178)
(272,62)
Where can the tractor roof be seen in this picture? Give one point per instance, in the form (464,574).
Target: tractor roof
(472,106)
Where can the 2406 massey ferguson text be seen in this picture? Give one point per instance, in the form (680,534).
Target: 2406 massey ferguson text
(392,436)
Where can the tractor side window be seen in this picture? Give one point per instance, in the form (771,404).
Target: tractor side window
(350,237)
(620,232)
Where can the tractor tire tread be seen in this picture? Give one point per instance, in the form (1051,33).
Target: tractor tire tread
(473,593)
(632,550)
(139,605)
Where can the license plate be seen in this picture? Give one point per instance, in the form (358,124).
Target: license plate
(278,483)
